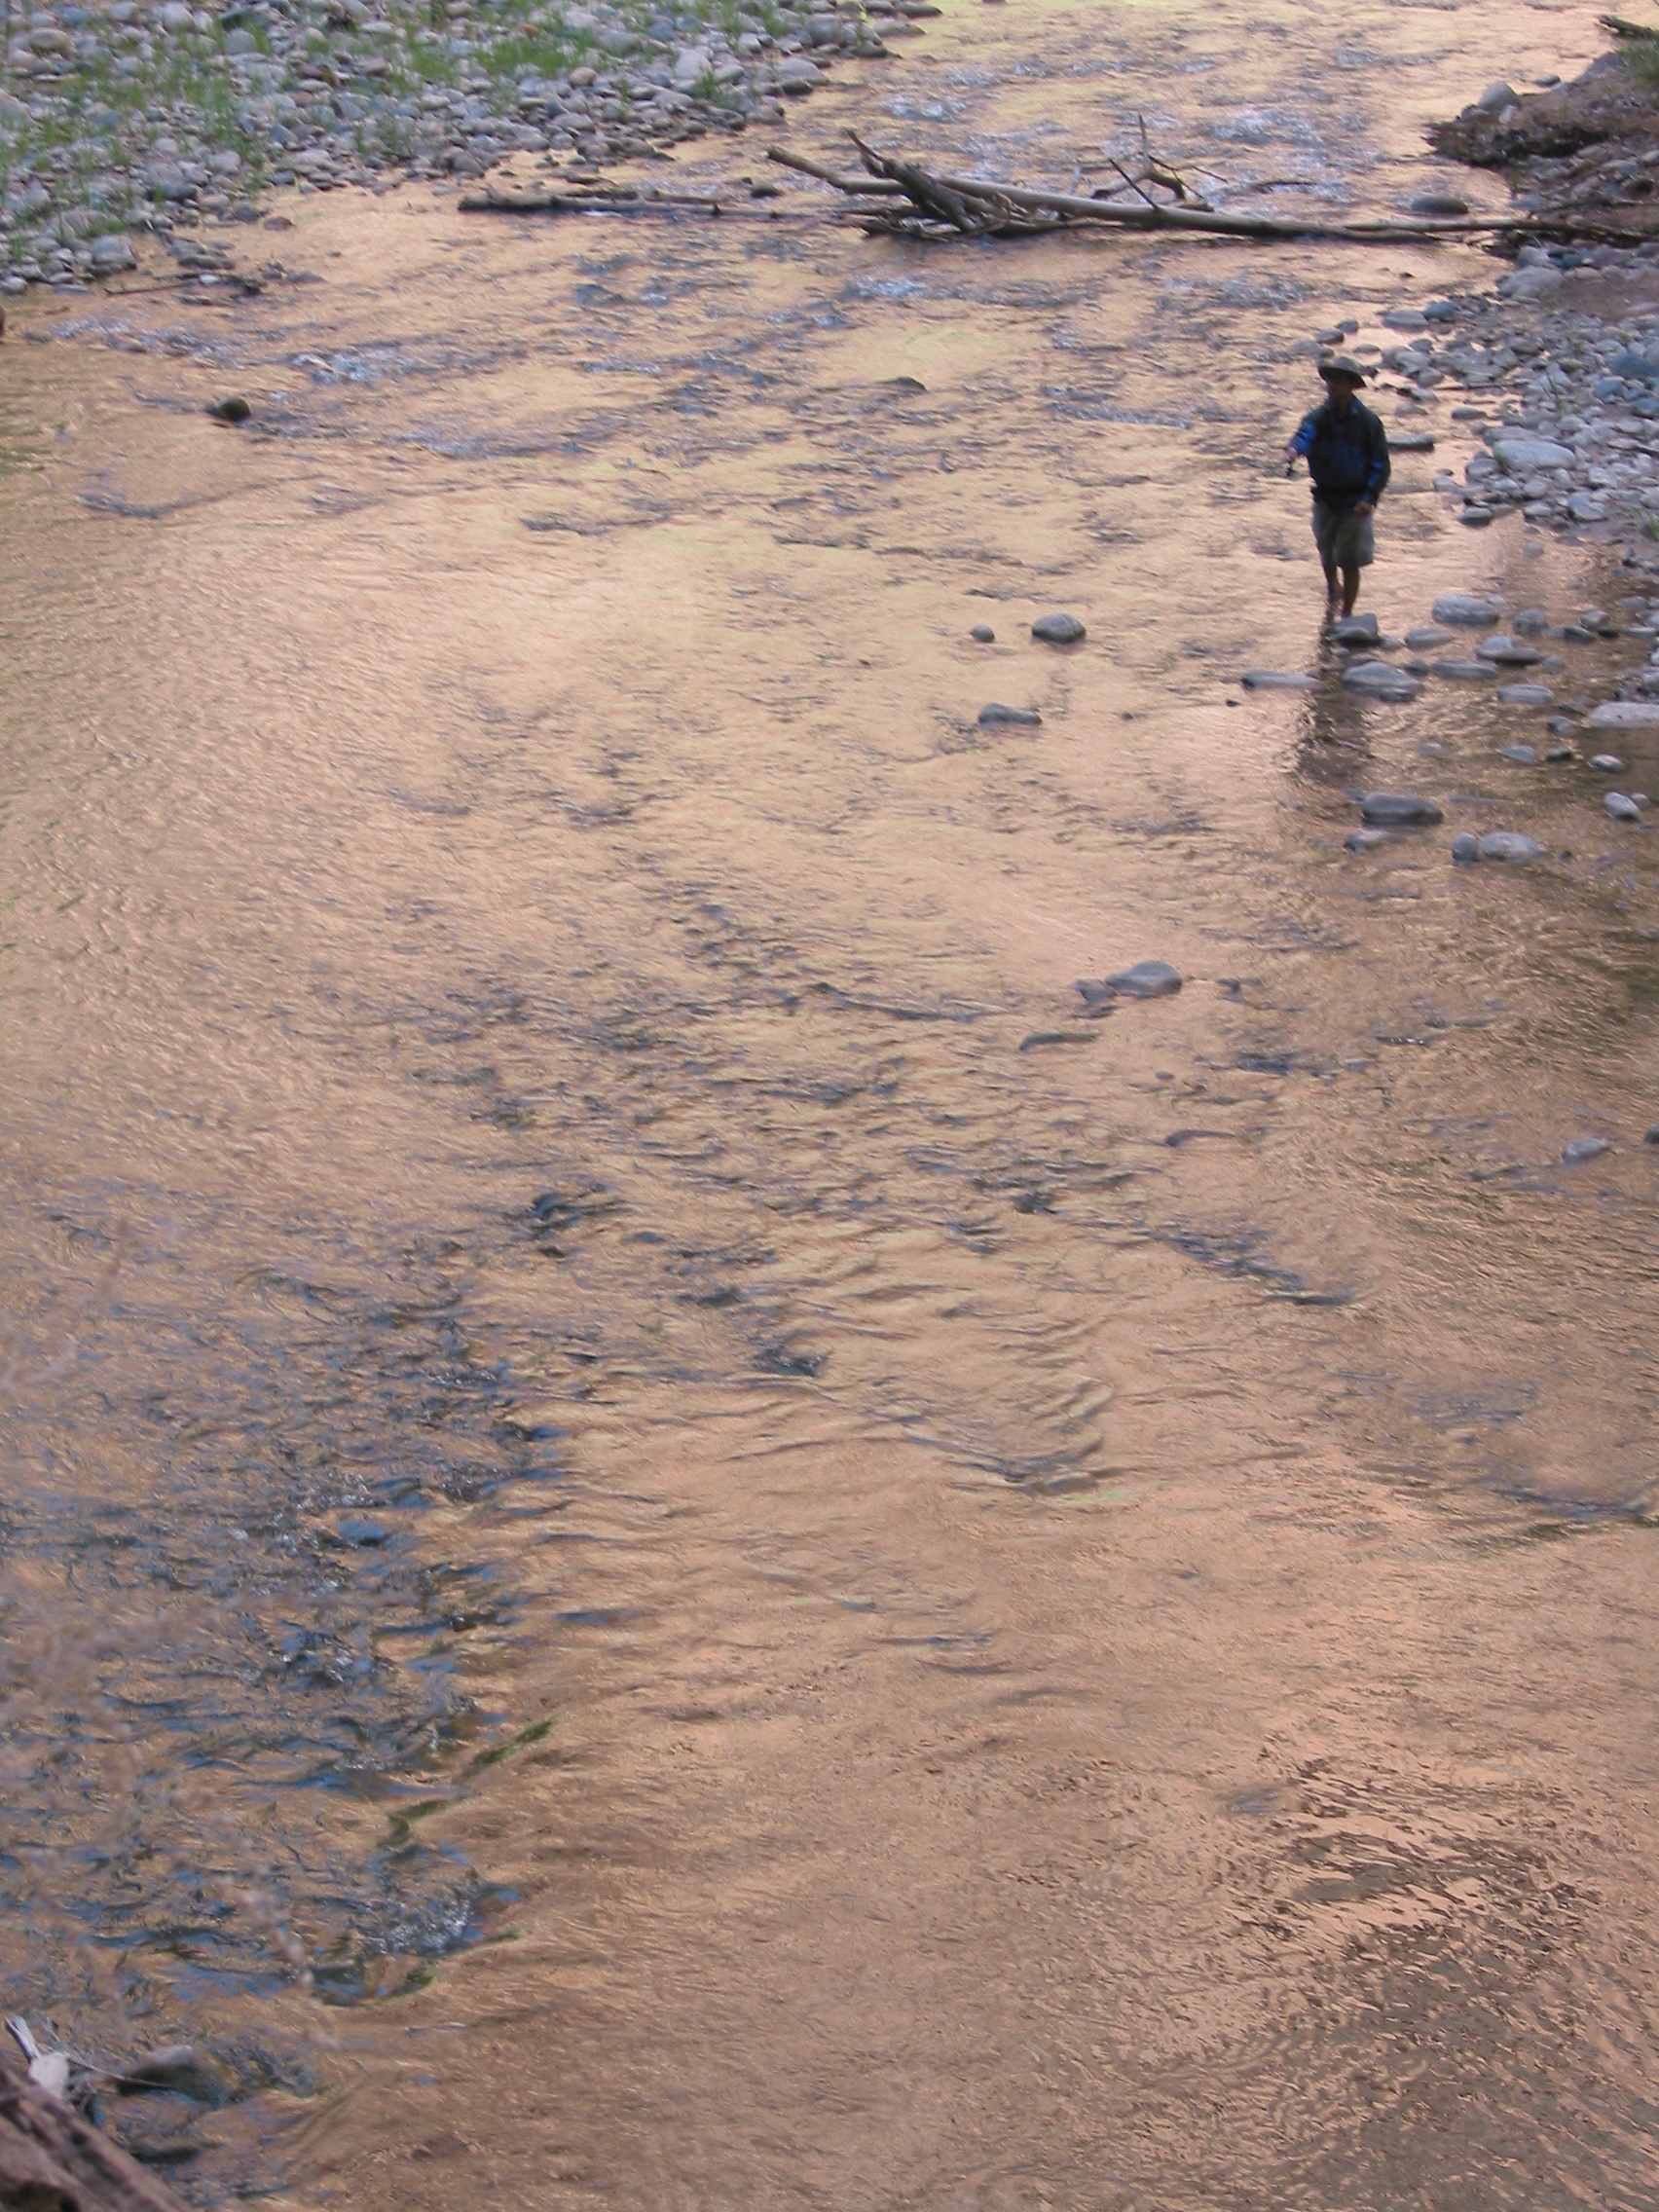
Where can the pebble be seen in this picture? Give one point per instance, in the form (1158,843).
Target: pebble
(1460,607)
(1525,456)
(1622,808)
(1023,718)
(230,410)
(1559,753)
(1424,639)
(983,634)
(1146,979)
(1652,1134)
(1504,652)
(1464,671)
(1522,754)
(1465,848)
(1399,809)
(1582,1149)
(1526,694)
(1605,763)
(1275,680)
(1365,840)
(1380,680)
(1356,630)
(1058,630)
(1439,204)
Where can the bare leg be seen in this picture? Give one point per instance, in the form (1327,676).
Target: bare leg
(1350,589)
(1331,591)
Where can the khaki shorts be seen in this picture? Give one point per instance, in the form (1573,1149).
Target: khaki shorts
(1345,540)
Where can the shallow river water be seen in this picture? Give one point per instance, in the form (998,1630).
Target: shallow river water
(667,1538)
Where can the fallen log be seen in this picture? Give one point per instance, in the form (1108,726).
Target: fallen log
(942,206)
(52,2160)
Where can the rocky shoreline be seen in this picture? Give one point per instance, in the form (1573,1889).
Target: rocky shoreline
(152,116)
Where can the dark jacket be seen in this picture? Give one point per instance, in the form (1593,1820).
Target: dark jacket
(1347,454)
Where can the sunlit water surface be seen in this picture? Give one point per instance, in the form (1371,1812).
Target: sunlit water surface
(667,1539)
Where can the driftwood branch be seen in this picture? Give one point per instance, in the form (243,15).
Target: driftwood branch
(52,2160)
(615,199)
(942,206)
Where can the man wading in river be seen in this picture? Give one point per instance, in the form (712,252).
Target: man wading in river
(1348,458)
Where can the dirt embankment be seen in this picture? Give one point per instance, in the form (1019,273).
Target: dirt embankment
(1583,157)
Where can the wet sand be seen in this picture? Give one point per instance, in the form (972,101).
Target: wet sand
(1093,1596)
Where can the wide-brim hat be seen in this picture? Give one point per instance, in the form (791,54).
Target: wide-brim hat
(1341,365)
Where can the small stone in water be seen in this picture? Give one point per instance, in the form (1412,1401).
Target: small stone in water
(1560,752)
(1058,629)
(1626,714)
(1275,680)
(1652,1136)
(1522,754)
(1607,763)
(1464,671)
(1024,717)
(1465,848)
(1526,695)
(1463,607)
(1439,204)
(1356,630)
(1399,809)
(1380,680)
(1621,807)
(1531,622)
(1424,639)
(1146,979)
(230,410)
(1365,840)
(1584,1148)
(983,634)
(1506,653)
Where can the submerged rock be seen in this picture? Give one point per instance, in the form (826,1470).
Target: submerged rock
(1426,636)
(1582,1149)
(983,634)
(1397,810)
(1364,840)
(1058,630)
(1605,763)
(1622,808)
(1021,718)
(1506,653)
(1356,630)
(1275,680)
(1380,680)
(1146,979)
(1509,845)
(1523,756)
(1526,695)
(1465,848)
(1464,671)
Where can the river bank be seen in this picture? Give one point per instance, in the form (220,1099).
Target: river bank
(141,118)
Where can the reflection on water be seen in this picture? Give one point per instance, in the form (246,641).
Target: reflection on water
(670,1534)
